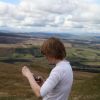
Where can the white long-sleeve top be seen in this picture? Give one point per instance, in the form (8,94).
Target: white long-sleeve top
(58,84)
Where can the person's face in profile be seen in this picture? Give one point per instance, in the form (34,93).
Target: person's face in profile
(51,60)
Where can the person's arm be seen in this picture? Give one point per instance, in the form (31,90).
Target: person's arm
(50,83)
(35,87)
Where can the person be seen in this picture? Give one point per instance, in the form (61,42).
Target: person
(58,85)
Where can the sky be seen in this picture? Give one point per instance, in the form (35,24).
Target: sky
(73,16)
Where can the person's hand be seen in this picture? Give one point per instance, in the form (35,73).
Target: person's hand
(26,72)
(39,80)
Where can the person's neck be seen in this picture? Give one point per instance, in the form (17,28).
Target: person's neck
(57,61)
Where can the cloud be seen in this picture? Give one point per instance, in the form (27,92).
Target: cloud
(62,15)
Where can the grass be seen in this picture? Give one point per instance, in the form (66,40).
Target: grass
(15,87)
(86,86)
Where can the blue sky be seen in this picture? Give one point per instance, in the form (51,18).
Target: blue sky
(11,1)
(79,16)
(97,1)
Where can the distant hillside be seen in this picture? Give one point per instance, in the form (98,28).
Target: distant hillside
(10,38)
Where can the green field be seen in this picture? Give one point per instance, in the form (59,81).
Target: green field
(84,56)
